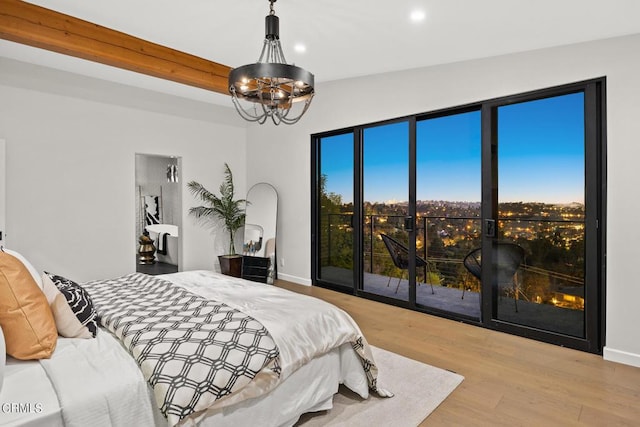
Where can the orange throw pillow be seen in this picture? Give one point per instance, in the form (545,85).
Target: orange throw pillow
(25,316)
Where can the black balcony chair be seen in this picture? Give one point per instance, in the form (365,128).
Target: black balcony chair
(508,258)
(400,256)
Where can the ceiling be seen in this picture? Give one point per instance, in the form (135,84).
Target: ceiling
(343,38)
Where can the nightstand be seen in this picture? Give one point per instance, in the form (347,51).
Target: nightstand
(255,268)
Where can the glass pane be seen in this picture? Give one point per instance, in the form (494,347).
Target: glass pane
(541,174)
(336,209)
(448,179)
(385,198)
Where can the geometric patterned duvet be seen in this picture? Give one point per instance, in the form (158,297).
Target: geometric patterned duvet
(192,351)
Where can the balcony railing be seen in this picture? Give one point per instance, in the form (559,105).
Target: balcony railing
(444,241)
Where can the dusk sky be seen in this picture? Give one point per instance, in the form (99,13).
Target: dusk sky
(540,152)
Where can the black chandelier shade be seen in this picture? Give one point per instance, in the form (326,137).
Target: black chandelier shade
(294,82)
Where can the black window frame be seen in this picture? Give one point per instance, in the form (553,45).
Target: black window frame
(595,206)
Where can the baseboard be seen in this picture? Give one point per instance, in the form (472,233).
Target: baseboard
(620,356)
(294,279)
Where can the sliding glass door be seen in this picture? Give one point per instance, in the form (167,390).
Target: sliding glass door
(491,213)
(449,190)
(335,210)
(541,214)
(385,206)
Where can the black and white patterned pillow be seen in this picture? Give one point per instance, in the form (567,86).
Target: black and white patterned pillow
(78,300)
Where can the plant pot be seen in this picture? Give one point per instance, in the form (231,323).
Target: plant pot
(231,265)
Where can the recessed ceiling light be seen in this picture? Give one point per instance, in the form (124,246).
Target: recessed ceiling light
(418,15)
(300,48)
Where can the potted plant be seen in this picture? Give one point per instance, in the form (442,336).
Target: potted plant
(222,208)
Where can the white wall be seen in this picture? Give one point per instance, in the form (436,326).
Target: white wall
(281,155)
(71,167)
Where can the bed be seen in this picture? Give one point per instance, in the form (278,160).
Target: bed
(310,348)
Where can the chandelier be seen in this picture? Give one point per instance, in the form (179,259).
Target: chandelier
(271,88)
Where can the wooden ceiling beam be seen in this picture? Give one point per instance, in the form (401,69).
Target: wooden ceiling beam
(36,26)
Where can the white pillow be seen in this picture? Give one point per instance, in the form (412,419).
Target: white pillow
(27,264)
(3,357)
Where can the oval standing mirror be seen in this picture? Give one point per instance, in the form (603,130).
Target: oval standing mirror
(259,245)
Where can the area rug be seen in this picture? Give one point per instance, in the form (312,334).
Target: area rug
(418,389)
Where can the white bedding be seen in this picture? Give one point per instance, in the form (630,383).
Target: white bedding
(98,383)
(26,384)
(85,382)
(118,395)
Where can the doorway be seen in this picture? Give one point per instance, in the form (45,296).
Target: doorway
(491,213)
(158,195)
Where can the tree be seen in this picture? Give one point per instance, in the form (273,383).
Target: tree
(223,208)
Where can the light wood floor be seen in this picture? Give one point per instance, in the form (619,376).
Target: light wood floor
(509,380)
